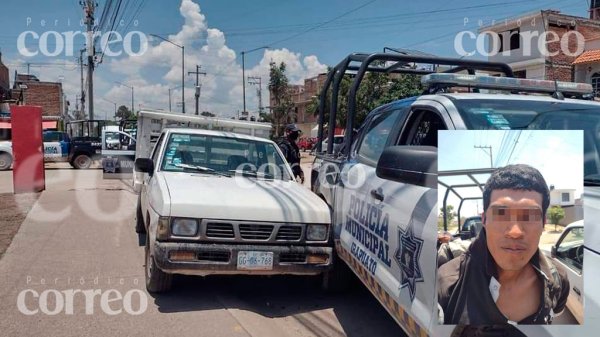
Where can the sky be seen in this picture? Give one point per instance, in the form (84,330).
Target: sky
(558,155)
(308,35)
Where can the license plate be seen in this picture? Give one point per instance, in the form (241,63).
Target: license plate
(248,260)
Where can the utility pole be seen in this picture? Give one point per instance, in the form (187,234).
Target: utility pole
(490,154)
(89,8)
(197,72)
(254,81)
(82,97)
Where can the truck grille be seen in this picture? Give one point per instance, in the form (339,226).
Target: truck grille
(227,230)
(255,231)
(292,258)
(289,233)
(219,230)
(214,256)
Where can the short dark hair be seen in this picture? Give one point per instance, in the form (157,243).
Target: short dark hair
(517,177)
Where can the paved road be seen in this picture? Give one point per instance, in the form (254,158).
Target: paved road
(79,236)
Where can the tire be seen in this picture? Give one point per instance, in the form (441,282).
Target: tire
(157,281)
(139,218)
(338,279)
(5,161)
(82,161)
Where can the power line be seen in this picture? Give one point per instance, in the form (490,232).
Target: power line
(322,24)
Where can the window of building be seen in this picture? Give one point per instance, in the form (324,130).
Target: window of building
(565,197)
(520,74)
(596,83)
(510,40)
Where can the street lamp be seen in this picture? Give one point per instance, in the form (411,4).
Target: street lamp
(182,69)
(115,116)
(244,70)
(125,85)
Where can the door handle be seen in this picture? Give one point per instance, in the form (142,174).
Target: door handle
(577,291)
(377,194)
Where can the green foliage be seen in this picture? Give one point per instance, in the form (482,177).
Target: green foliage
(555,214)
(449,213)
(124,113)
(376,89)
(280,92)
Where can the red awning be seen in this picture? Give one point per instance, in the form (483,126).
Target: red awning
(48,125)
(45,125)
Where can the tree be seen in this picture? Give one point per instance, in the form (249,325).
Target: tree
(376,89)
(555,214)
(124,113)
(449,214)
(280,92)
(207,114)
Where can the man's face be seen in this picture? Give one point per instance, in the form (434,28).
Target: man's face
(513,223)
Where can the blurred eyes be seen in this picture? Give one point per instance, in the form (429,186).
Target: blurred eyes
(504,214)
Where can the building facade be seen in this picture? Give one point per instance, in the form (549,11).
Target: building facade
(549,45)
(302,95)
(4,82)
(29,90)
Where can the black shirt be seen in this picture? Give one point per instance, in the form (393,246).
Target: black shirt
(464,295)
(291,152)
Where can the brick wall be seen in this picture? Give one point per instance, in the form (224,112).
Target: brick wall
(45,94)
(559,67)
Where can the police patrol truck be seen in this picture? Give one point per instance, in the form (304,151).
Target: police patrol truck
(382,187)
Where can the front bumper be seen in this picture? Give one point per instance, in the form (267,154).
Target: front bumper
(209,259)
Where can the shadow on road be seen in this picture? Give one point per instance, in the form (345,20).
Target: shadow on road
(356,310)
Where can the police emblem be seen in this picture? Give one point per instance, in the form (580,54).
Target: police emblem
(407,256)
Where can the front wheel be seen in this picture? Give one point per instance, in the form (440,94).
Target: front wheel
(338,279)
(157,281)
(5,161)
(82,161)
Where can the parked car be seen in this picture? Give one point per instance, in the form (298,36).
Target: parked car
(568,253)
(250,216)
(470,228)
(338,142)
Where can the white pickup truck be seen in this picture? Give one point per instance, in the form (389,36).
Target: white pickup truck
(215,202)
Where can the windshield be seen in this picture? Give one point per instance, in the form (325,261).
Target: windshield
(225,155)
(486,114)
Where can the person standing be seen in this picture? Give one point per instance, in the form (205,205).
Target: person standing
(291,151)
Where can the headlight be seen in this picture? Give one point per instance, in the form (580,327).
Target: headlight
(184,227)
(316,232)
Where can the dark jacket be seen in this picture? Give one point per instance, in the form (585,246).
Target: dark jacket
(464,295)
(291,152)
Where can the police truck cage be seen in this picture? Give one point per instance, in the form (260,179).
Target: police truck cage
(358,64)
(457,189)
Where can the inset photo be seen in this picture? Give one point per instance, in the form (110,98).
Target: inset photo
(510,227)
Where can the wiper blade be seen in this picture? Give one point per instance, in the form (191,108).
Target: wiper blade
(255,174)
(202,169)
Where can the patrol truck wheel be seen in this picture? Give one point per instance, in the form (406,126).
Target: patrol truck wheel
(139,218)
(5,161)
(82,161)
(157,281)
(339,279)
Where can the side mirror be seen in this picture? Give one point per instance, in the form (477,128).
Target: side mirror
(553,251)
(145,165)
(415,165)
